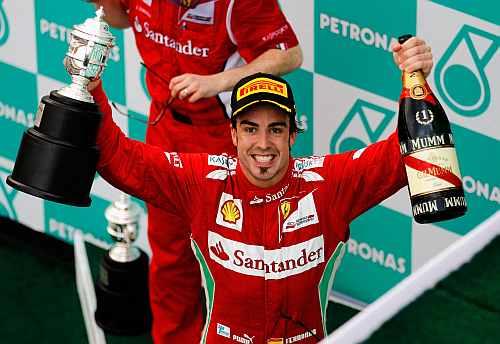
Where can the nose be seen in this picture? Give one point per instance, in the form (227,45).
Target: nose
(262,140)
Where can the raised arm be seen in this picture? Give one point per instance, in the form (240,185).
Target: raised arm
(367,176)
(142,170)
(361,179)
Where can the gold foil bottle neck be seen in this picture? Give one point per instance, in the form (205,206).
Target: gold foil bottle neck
(415,83)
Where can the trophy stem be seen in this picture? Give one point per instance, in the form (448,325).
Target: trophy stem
(77,89)
(123,252)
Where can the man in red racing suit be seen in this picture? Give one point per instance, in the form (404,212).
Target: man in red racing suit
(268,255)
(194,55)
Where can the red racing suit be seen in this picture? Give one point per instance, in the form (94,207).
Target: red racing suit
(268,255)
(212,37)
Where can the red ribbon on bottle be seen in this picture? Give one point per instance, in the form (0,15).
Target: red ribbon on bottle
(424,166)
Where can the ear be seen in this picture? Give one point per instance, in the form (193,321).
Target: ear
(293,137)
(233,135)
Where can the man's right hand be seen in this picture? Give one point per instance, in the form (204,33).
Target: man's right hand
(93,84)
(115,13)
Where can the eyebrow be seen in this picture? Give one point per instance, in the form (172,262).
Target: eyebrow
(278,124)
(273,124)
(247,122)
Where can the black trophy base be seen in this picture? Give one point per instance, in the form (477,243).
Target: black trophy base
(57,158)
(439,206)
(122,297)
(79,202)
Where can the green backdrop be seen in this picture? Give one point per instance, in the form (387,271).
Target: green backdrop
(347,92)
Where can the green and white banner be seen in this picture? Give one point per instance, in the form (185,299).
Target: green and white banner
(347,91)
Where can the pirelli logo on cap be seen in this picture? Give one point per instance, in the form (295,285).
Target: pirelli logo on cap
(262,85)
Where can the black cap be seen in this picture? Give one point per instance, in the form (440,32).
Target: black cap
(262,87)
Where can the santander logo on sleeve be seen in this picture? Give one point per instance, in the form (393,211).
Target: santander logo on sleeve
(254,260)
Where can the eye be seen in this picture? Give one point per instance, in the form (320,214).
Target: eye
(276,130)
(250,130)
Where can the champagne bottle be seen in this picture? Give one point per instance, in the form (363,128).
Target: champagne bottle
(428,151)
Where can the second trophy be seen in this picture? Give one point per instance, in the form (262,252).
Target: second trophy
(122,287)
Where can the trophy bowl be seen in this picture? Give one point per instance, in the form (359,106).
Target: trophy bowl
(57,158)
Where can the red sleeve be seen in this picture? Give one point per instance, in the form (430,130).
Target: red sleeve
(259,25)
(362,179)
(164,179)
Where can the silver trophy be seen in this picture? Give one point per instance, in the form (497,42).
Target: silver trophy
(123,223)
(57,158)
(87,56)
(122,287)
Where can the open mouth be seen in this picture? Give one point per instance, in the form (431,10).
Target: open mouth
(263,160)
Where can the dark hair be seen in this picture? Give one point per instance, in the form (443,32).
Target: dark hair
(295,124)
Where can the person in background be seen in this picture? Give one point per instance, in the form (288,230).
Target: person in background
(194,53)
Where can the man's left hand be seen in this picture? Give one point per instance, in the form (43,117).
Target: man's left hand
(413,55)
(193,87)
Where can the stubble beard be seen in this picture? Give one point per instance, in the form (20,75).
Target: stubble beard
(263,170)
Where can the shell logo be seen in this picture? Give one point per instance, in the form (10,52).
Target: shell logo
(230,212)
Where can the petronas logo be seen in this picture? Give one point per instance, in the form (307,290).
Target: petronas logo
(364,124)
(460,74)
(4,25)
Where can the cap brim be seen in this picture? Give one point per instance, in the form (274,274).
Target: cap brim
(246,106)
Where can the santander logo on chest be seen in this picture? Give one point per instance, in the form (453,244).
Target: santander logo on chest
(255,260)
